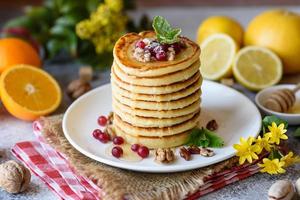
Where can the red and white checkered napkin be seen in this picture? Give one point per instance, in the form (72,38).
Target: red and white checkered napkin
(52,167)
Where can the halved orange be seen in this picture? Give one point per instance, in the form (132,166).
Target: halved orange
(28,92)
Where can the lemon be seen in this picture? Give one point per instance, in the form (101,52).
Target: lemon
(220,24)
(217,55)
(257,67)
(278,30)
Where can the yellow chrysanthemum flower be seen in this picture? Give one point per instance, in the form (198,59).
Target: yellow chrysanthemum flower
(263,143)
(272,166)
(276,133)
(246,150)
(290,159)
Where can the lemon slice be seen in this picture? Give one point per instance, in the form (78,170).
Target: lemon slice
(217,55)
(257,67)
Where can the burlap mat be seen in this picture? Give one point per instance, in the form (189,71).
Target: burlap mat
(123,184)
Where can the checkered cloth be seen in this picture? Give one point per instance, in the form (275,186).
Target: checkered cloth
(53,168)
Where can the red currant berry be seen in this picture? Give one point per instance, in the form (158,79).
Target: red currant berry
(104,137)
(161,56)
(135,147)
(96,133)
(140,44)
(143,151)
(102,120)
(117,152)
(118,140)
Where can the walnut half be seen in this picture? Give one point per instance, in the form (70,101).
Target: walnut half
(206,152)
(184,153)
(164,155)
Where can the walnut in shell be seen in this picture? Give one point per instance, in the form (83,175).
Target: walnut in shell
(77,88)
(282,189)
(14,177)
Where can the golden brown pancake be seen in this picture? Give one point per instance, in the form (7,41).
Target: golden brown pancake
(155,142)
(166,89)
(150,121)
(159,114)
(158,98)
(123,55)
(156,132)
(166,79)
(152,105)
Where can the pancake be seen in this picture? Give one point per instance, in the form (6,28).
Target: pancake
(159,114)
(166,89)
(151,121)
(155,142)
(124,57)
(152,105)
(166,79)
(129,129)
(158,98)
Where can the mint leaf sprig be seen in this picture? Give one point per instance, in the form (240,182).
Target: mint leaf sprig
(204,138)
(164,32)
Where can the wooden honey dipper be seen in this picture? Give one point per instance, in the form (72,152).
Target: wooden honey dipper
(282,100)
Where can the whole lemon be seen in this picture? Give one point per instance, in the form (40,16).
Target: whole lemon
(220,24)
(278,30)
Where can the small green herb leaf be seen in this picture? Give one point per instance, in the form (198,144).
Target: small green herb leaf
(267,121)
(164,32)
(297,132)
(275,154)
(204,138)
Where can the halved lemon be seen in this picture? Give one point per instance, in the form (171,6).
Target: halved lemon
(28,92)
(257,67)
(217,55)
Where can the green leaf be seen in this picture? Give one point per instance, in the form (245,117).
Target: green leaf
(23,21)
(68,20)
(164,32)
(297,132)
(204,138)
(55,46)
(69,37)
(275,154)
(267,121)
(91,5)
(214,140)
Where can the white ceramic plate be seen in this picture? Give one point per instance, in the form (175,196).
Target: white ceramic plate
(235,114)
(293,118)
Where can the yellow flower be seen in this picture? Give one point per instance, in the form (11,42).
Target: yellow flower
(105,26)
(272,166)
(263,143)
(246,150)
(290,159)
(276,133)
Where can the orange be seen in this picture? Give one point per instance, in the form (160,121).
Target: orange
(28,92)
(220,24)
(278,30)
(16,51)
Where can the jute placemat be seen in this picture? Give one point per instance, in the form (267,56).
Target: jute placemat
(123,184)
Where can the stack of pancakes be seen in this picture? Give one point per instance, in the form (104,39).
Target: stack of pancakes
(155,103)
